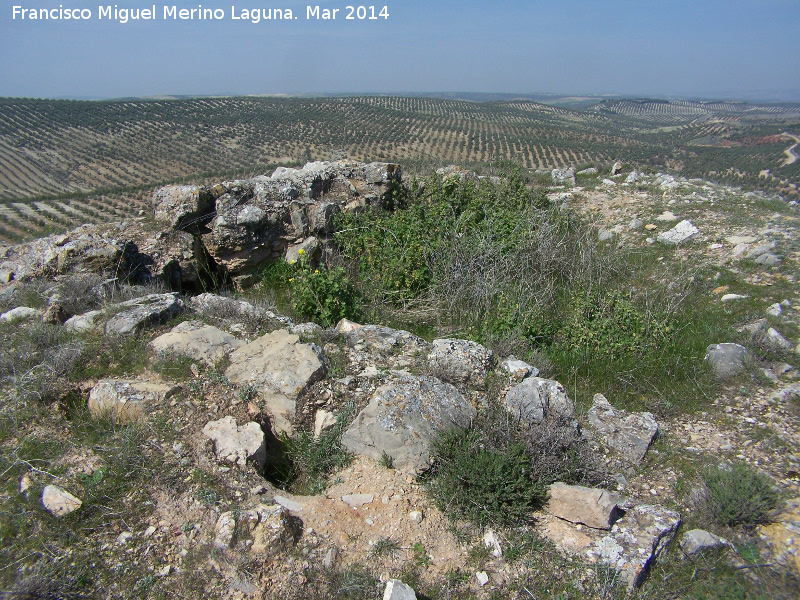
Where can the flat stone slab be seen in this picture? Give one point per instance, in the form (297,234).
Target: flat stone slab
(127,400)
(281,368)
(697,540)
(630,434)
(129,317)
(402,418)
(578,504)
(204,343)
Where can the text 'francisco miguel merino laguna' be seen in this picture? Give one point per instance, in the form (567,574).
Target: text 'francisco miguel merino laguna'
(174,13)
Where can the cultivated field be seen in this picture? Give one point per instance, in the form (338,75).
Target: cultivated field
(67,162)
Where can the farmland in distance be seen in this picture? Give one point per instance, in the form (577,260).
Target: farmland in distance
(64,162)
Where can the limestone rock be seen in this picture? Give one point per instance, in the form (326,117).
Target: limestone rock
(402,418)
(397,590)
(236,444)
(768,260)
(636,540)
(590,506)
(682,232)
(731,297)
(630,434)
(58,501)
(357,500)
(184,207)
(460,362)
(633,177)
(345,326)
(224,530)
(536,400)
(561,176)
(310,250)
(518,369)
(323,420)
(204,343)
(774,310)
(392,347)
(126,400)
(589,171)
(18,314)
(232,310)
(697,540)
(281,368)
(130,317)
(491,542)
(616,168)
(274,532)
(782,537)
(775,340)
(726,360)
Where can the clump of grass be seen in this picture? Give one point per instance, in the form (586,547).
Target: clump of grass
(305,461)
(739,495)
(385,546)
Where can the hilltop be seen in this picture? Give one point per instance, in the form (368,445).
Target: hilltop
(312,382)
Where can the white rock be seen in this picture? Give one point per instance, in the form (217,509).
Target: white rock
(590,506)
(666,216)
(357,500)
(19,313)
(323,420)
(237,444)
(696,540)
(775,310)
(58,501)
(397,590)
(732,297)
(492,543)
(518,369)
(682,232)
(482,577)
(415,516)
(287,503)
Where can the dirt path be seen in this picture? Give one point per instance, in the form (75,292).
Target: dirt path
(791,157)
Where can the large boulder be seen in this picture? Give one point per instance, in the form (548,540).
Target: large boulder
(126,400)
(629,434)
(536,400)
(204,343)
(460,362)
(281,368)
(402,418)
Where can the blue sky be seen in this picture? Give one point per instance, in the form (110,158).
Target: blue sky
(701,48)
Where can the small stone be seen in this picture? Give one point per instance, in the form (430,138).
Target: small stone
(775,310)
(593,507)
(123,537)
(357,500)
(732,297)
(330,558)
(58,501)
(697,540)
(323,421)
(415,516)
(492,543)
(288,504)
(482,577)
(164,571)
(224,530)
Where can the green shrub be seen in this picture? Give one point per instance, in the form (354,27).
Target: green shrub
(323,294)
(739,495)
(482,484)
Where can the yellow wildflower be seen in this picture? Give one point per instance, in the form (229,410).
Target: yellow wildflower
(301,252)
